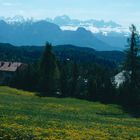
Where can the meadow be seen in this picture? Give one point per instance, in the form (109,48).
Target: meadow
(23,115)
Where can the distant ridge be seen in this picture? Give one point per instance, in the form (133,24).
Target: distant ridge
(29,54)
(20,31)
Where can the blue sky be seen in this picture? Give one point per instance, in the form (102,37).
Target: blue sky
(122,11)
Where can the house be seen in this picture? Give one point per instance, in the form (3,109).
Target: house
(119,78)
(8,70)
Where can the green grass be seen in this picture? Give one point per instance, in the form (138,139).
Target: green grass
(26,116)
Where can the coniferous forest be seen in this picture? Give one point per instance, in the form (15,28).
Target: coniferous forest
(64,73)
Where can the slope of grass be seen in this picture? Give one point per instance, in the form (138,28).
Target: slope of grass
(26,116)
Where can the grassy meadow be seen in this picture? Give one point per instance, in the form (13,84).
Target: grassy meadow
(26,116)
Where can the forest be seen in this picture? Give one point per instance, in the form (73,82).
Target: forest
(69,71)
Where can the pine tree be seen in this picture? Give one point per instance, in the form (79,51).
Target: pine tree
(64,80)
(132,69)
(74,81)
(49,72)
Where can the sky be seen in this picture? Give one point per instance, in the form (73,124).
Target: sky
(124,12)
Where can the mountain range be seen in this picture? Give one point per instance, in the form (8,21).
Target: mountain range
(21,31)
(67,21)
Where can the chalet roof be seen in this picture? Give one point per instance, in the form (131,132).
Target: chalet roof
(9,66)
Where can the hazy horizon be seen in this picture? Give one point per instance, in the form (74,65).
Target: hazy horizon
(124,12)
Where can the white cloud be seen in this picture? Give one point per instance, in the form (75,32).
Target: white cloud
(94,29)
(71,28)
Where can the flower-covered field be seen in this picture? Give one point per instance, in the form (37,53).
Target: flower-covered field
(26,116)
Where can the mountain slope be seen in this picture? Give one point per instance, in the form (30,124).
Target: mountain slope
(37,33)
(26,116)
(30,54)
(109,32)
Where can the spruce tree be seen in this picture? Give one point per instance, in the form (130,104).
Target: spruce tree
(74,81)
(49,72)
(132,69)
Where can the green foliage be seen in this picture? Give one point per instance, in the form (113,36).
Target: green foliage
(53,77)
(30,54)
(100,85)
(48,72)
(130,90)
(74,80)
(27,78)
(64,79)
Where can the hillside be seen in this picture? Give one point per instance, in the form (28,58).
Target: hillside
(30,54)
(26,116)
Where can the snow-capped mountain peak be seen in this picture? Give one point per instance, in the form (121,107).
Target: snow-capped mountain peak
(17,19)
(93,25)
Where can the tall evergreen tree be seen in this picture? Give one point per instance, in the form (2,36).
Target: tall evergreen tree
(74,81)
(49,72)
(132,68)
(64,79)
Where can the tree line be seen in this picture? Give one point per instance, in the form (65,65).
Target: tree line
(52,77)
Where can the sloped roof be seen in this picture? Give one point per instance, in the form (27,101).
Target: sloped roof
(9,66)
